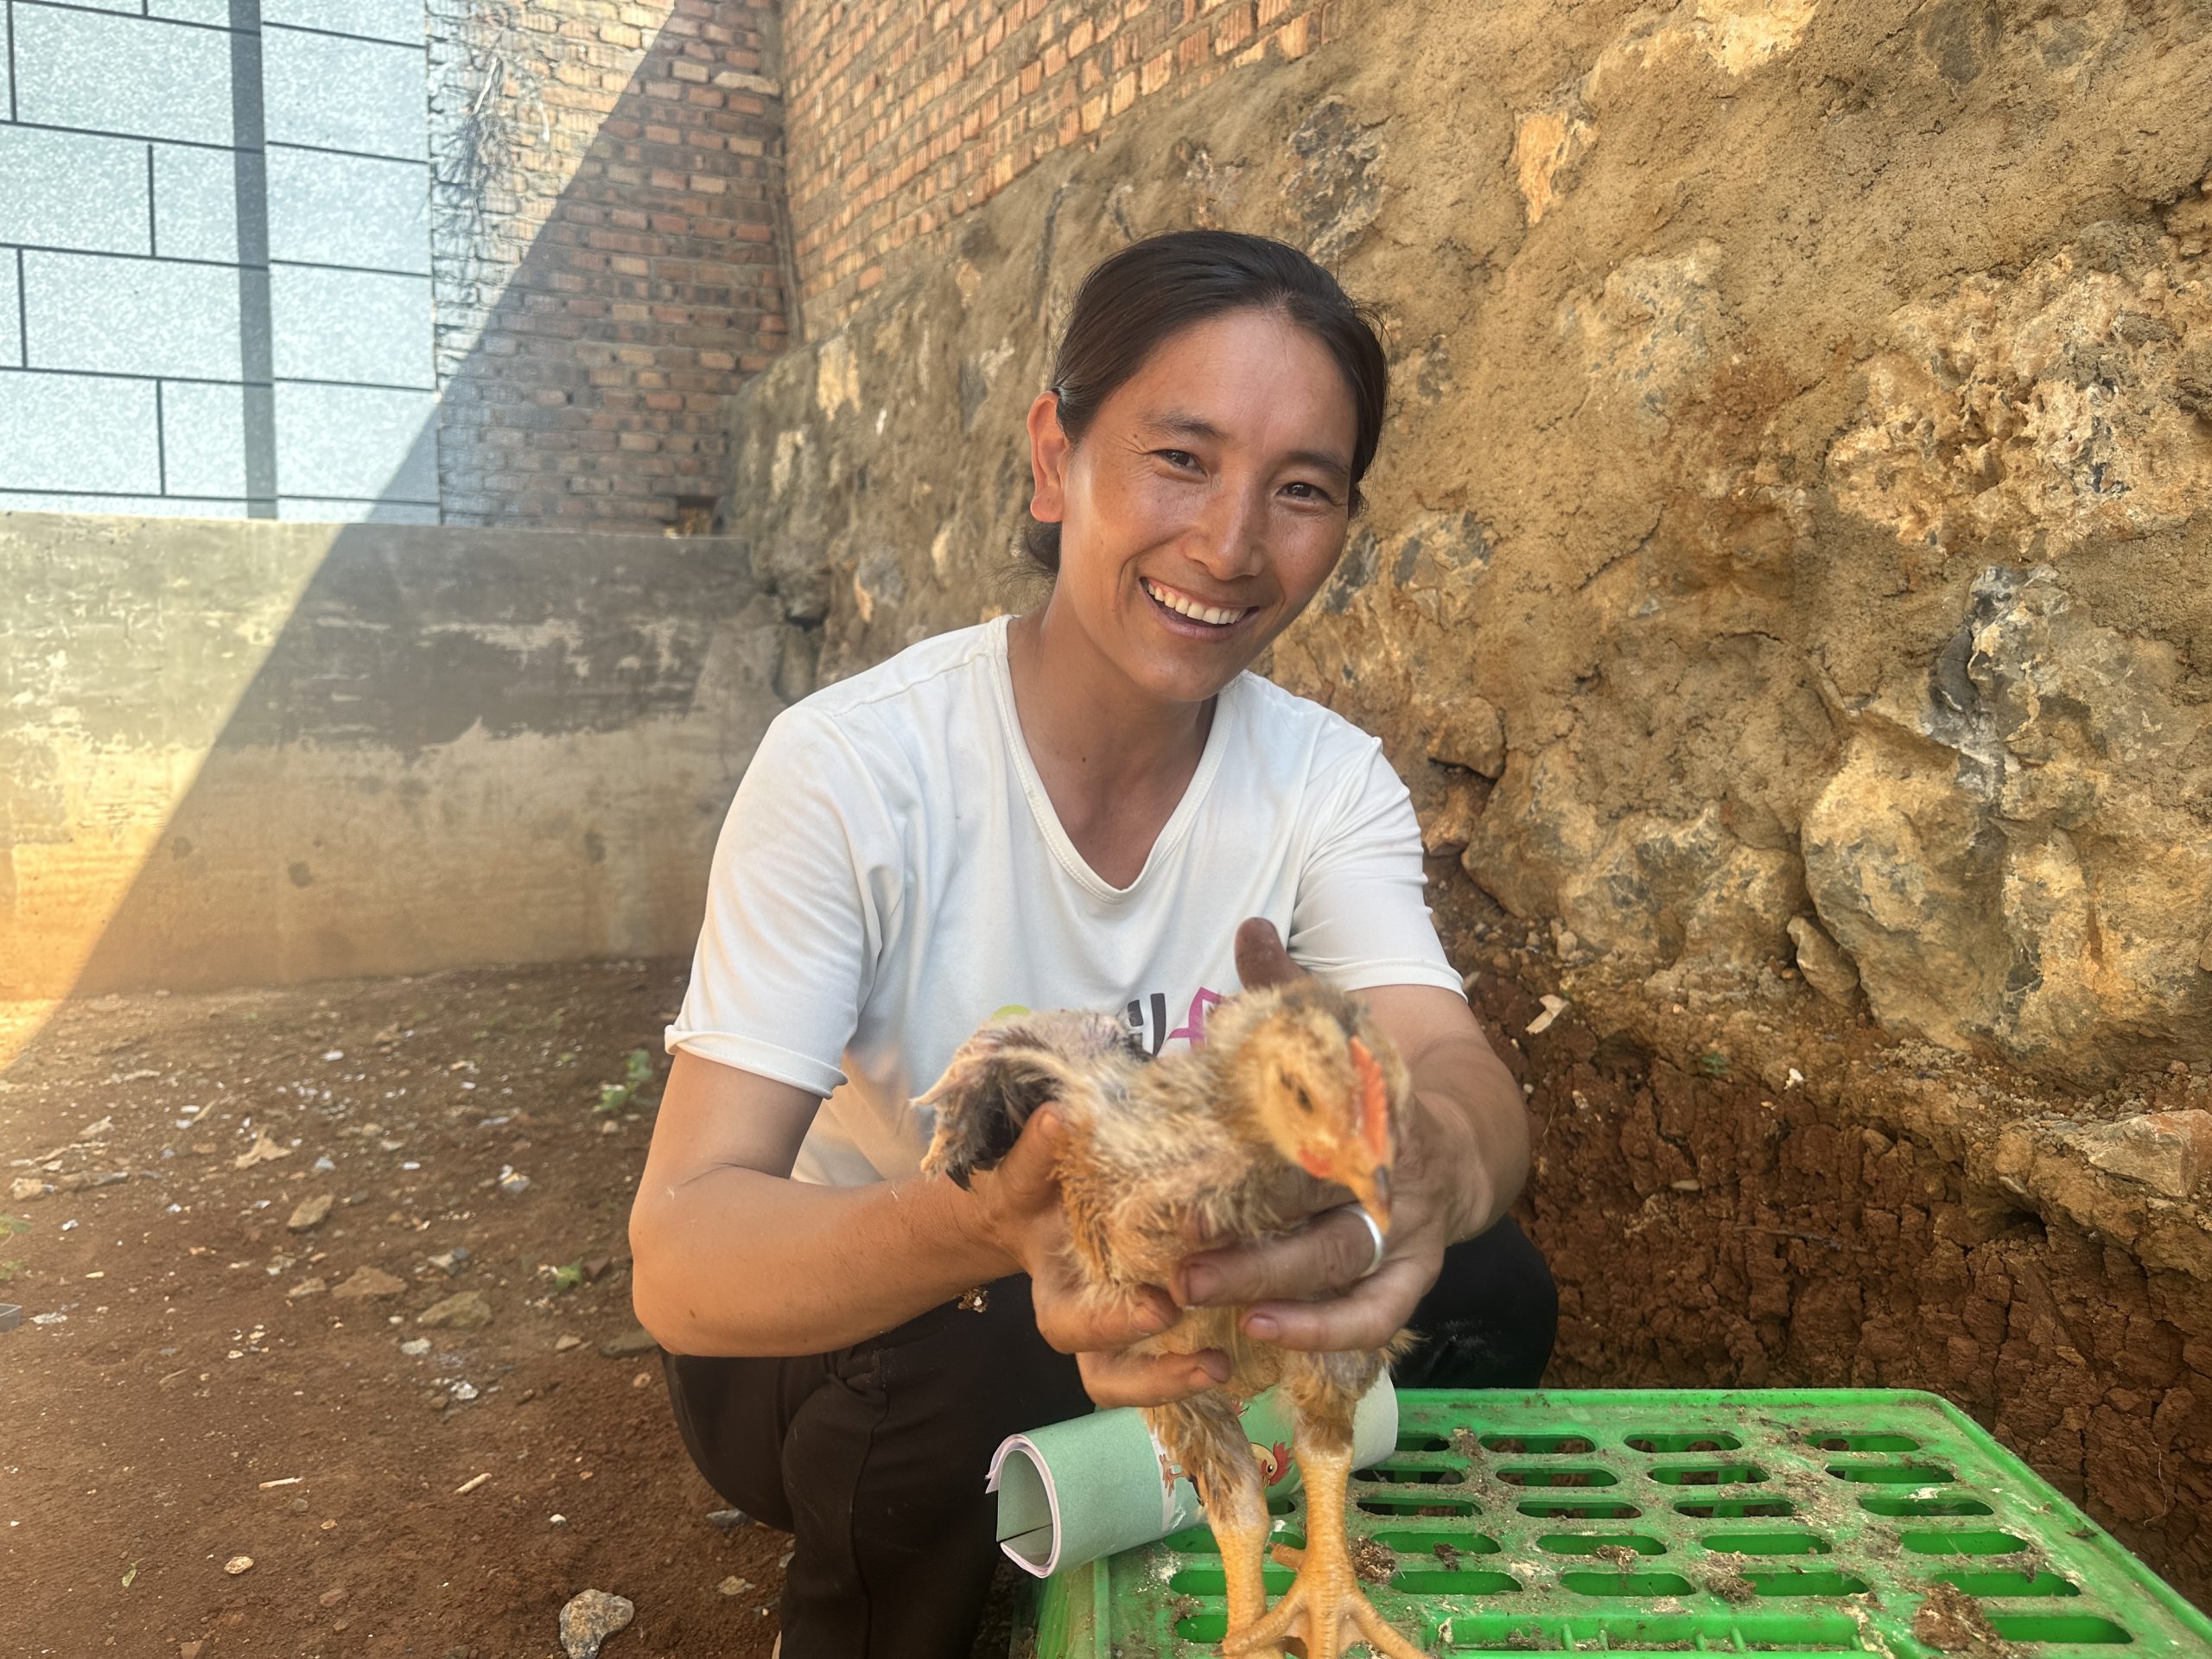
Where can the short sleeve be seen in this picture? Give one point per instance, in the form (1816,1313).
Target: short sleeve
(795,917)
(1360,920)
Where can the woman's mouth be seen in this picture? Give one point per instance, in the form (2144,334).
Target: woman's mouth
(1191,613)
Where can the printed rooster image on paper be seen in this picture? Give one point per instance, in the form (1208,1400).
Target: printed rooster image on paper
(1293,1098)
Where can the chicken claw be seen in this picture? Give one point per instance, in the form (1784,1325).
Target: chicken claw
(1324,1607)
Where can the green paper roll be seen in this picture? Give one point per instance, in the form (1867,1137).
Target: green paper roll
(1091,1487)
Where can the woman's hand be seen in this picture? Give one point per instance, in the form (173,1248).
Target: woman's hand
(1016,1208)
(1327,1257)
(1436,1180)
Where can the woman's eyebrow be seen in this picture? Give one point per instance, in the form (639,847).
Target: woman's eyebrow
(1176,422)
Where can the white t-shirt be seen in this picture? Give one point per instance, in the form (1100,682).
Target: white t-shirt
(891,874)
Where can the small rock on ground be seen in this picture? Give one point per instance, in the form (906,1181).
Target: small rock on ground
(635,1340)
(311,1214)
(465,1310)
(589,1618)
(369,1284)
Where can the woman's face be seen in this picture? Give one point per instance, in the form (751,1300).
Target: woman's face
(1205,505)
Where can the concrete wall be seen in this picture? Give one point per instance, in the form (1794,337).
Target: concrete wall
(252,754)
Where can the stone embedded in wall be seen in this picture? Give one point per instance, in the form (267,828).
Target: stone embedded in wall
(2005,856)
(2040,411)
(2171,1152)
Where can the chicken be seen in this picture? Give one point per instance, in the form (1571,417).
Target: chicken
(1293,1095)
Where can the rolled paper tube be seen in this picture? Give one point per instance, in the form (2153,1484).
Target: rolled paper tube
(1079,1491)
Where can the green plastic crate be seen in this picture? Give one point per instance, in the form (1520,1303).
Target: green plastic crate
(1781,1523)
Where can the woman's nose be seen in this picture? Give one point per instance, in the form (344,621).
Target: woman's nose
(1228,541)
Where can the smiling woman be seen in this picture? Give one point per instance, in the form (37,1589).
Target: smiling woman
(1075,808)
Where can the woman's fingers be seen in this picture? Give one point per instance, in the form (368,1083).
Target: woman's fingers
(1367,1316)
(1075,1323)
(1124,1379)
(1328,1253)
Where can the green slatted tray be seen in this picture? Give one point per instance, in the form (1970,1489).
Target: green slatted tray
(1782,1522)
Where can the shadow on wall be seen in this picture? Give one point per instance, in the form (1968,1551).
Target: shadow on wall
(264,753)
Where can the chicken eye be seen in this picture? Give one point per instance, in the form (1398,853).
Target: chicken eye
(1305,1100)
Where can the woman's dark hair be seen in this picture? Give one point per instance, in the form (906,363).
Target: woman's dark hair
(1135,299)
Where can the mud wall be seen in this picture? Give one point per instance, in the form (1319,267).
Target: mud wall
(254,753)
(1784,589)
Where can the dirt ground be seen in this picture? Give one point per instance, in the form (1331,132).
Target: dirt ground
(193,1381)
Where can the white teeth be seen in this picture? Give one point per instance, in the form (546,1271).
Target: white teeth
(1190,607)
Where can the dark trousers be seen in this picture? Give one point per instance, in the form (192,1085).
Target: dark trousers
(874,1455)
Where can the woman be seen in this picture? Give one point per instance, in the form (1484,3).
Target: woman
(1076,807)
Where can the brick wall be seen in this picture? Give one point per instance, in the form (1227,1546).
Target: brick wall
(903,114)
(605,241)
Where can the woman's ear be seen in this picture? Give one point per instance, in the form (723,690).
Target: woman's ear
(1048,459)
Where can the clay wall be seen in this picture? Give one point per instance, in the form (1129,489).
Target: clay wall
(1782,588)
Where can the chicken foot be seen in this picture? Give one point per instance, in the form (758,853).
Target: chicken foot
(1237,1509)
(1323,1607)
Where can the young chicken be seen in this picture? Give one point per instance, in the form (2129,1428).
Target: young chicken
(1294,1089)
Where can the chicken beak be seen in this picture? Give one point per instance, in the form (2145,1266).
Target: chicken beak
(1372,1189)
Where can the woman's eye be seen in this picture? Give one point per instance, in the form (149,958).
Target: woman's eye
(1178,457)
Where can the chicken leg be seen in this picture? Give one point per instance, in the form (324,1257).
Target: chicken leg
(1324,1607)
(1206,1437)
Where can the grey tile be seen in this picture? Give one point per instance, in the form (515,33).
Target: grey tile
(348,325)
(137,506)
(386,20)
(11,340)
(7,86)
(340,94)
(326,510)
(192,11)
(203,439)
(131,316)
(196,202)
(71,190)
(349,210)
(68,432)
(129,7)
(353,441)
(122,74)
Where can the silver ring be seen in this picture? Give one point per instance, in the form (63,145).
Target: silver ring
(1375,1231)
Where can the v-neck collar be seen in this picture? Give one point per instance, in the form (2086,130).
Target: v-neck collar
(1040,803)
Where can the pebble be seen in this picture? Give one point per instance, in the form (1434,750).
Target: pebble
(314,1287)
(414,1346)
(332,1596)
(449,1263)
(27,1188)
(465,1310)
(558,1521)
(589,1618)
(562,1344)
(189,1650)
(323,1165)
(734,1585)
(726,1520)
(369,1284)
(311,1214)
(512,1183)
(636,1340)
(238,1564)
